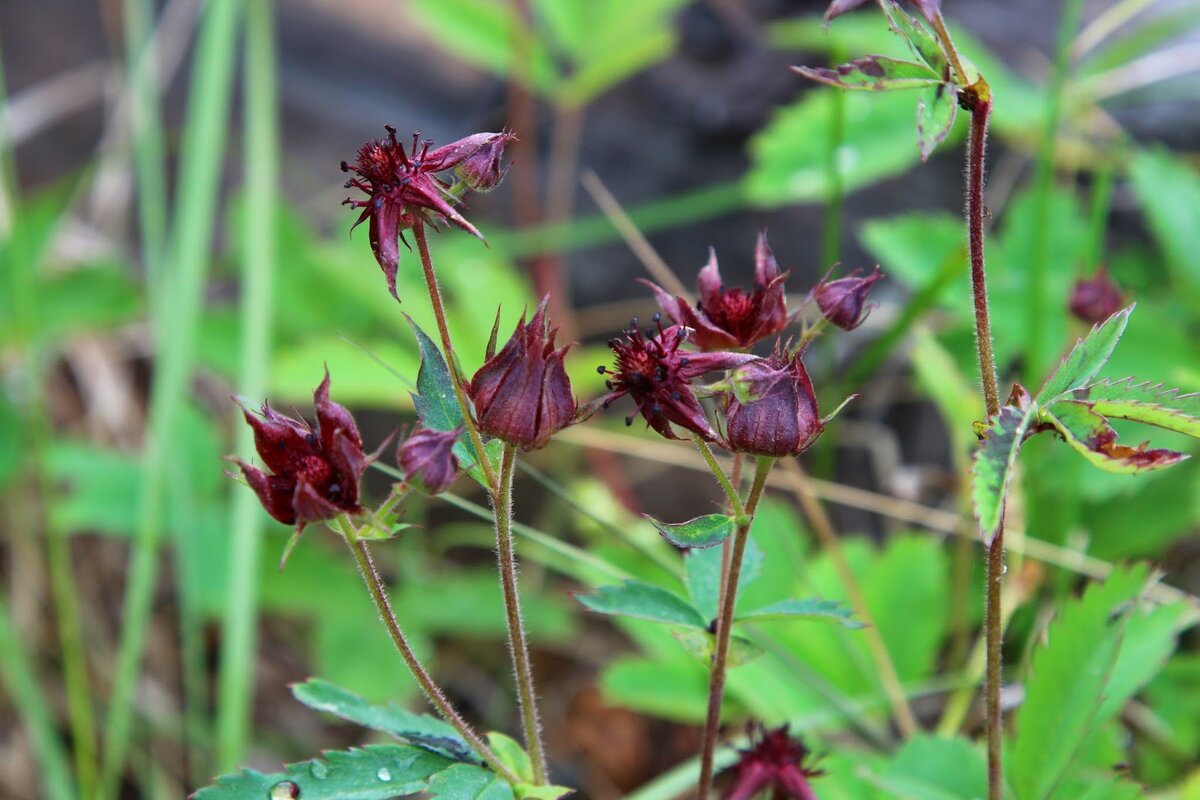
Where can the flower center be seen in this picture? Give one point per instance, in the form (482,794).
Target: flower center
(734,311)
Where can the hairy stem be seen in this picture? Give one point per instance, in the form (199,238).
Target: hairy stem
(995,637)
(439,313)
(716,686)
(518,648)
(735,502)
(983,325)
(366,567)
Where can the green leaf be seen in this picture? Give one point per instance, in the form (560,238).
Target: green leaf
(511,755)
(702,574)
(465,453)
(529,791)
(1087,357)
(922,43)
(437,406)
(706,531)
(469,782)
(1090,435)
(1067,683)
(375,772)
(1168,189)
(1144,402)
(812,607)
(874,73)
(418,729)
(937,108)
(995,460)
(702,645)
(935,768)
(641,600)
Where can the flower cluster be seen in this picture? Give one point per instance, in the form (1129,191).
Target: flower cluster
(775,761)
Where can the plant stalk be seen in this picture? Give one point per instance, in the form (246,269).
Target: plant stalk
(995,637)
(716,686)
(366,567)
(439,313)
(975,236)
(518,647)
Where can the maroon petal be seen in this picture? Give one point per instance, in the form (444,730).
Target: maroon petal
(384,234)
(751,779)
(275,493)
(839,7)
(710,281)
(311,506)
(451,155)
(693,365)
(282,443)
(332,417)
(794,781)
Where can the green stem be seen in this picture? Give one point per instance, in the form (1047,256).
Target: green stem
(716,686)
(239,629)
(518,647)
(434,693)
(439,313)
(203,146)
(735,502)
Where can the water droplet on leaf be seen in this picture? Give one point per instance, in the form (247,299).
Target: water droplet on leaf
(384,774)
(285,790)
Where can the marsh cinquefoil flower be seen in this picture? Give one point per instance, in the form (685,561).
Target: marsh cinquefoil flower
(779,416)
(1097,298)
(522,394)
(727,318)
(658,376)
(403,188)
(314,471)
(775,761)
(844,301)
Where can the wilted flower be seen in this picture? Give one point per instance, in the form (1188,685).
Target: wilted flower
(427,459)
(658,375)
(315,471)
(522,394)
(779,417)
(1095,299)
(776,762)
(843,302)
(732,318)
(403,188)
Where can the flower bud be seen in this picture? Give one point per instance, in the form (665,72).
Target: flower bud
(522,394)
(483,170)
(776,413)
(843,302)
(427,459)
(1095,299)
(775,762)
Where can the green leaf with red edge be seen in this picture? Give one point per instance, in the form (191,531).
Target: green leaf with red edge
(1087,357)
(706,531)
(1090,435)
(874,73)
(937,109)
(923,43)
(995,461)
(1146,402)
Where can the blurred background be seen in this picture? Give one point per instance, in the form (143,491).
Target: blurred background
(171,234)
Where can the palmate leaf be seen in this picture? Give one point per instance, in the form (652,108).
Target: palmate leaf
(375,772)
(811,607)
(1090,435)
(995,461)
(643,601)
(874,73)
(418,729)
(1146,402)
(1087,357)
(467,782)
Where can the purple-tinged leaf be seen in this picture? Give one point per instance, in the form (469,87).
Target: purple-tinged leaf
(1092,437)
(936,111)
(839,7)
(706,531)
(923,44)
(874,73)
(1144,402)
(930,9)
(995,460)
(1088,357)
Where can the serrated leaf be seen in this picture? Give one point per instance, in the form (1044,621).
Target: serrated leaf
(706,531)
(469,782)
(937,108)
(1067,683)
(418,729)
(995,461)
(1090,435)
(643,601)
(874,73)
(1087,357)
(701,645)
(1144,402)
(702,574)
(375,772)
(923,43)
(437,407)
(374,533)
(811,607)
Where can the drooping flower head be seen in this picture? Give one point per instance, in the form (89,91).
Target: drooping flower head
(314,471)
(1097,298)
(778,415)
(728,318)
(658,376)
(844,301)
(774,761)
(403,188)
(522,394)
(427,458)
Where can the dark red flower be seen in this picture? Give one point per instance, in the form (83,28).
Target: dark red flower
(779,417)
(314,471)
(732,318)
(483,170)
(403,187)
(428,460)
(522,394)
(658,376)
(844,301)
(1097,298)
(776,762)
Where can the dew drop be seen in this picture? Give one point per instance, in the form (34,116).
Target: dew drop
(383,774)
(320,770)
(284,790)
